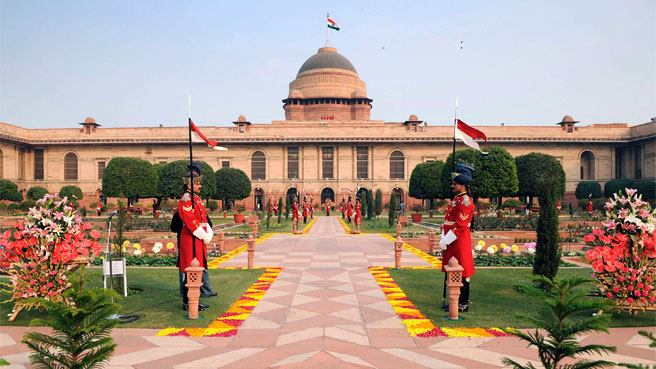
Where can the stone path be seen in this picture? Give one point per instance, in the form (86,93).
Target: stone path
(325,310)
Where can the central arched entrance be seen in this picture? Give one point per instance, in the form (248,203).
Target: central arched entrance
(361,193)
(327,193)
(399,197)
(258,197)
(291,193)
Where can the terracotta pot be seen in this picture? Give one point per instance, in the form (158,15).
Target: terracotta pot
(416,218)
(225,214)
(239,218)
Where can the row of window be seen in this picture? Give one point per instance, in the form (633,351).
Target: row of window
(397,164)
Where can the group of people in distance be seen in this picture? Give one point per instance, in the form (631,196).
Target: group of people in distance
(307,210)
(350,213)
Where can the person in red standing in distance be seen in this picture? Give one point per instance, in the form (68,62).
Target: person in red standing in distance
(196,232)
(271,205)
(590,205)
(305,211)
(358,211)
(349,210)
(456,235)
(558,206)
(343,209)
(311,206)
(99,208)
(295,210)
(275,207)
(327,206)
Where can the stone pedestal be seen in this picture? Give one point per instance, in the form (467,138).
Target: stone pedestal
(431,241)
(398,249)
(255,231)
(225,214)
(221,241)
(398,229)
(453,282)
(251,251)
(194,281)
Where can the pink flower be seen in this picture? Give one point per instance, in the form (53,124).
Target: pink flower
(630,191)
(29,290)
(62,282)
(629,300)
(633,278)
(51,293)
(652,298)
(608,294)
(616,289)
(636,292)
(645,293)
(33,281)
(640,285)
(49,284)
(643,300)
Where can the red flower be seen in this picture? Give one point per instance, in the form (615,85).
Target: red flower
(589,238)
(640,285)
(616,289)
(598,232)
(636,292)
(631,288)
(652,298)
(629,300)
(645,293)
(609,295)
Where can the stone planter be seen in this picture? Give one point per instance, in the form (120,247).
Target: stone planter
(239,218)
(416,218)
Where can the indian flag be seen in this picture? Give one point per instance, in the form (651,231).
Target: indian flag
(333,25)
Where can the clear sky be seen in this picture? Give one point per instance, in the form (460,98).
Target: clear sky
(132,63)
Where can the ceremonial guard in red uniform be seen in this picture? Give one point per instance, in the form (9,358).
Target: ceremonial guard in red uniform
(590,207)
(275,208)
(99,208)
(343,209)
(358,211)
(271,208)
(295,210)
(305,211)
(558,206)
(196,232)
(311,207)
(456,235)
(327,206)
(349,210)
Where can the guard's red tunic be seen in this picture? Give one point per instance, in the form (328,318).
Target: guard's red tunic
(192,217)
(349,210)
(295,212)
(458,218)
(343,209)
(589,206)
(358,213)
(305,210)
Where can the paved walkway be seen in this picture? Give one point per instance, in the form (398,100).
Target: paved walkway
(325,310)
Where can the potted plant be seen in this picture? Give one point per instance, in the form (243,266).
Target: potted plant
(416,217)
(238,216)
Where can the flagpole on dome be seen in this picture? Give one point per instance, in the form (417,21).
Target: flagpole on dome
(327,31)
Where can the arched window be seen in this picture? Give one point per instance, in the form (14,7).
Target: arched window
(1,165)
(397,165)
(70,167)
(258,197)
(587,166)
(258,166)
(327,193)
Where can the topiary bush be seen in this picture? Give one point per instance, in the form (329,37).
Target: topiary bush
(511,204)
(27,204)
(36,193)
(646,188)
(72,192)
(212,205)
(585,188)
(615,185)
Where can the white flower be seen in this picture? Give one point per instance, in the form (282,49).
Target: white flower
(137,252)
(530,251)
(478,248)
(490,250)
(158,245)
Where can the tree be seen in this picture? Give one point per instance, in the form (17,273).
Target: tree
(586,188)
(564,316)
(617,185)
(9,191)
(531,168)
(378,208)
(497,176)
(36,193)
(370,204)
(279,209)
(425,180)
(391,218)
(547,252)
(129,178)
(232,184)
(363,202)
(73,193)
(81,335)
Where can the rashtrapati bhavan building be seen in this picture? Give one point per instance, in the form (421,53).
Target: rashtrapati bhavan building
(326,145)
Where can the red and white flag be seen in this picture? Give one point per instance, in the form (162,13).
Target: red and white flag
(198,136)
(467,134)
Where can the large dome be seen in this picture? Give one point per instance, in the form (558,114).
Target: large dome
(327,57)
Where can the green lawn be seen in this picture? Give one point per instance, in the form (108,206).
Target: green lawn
(494,301)
(159,304)
(369,226)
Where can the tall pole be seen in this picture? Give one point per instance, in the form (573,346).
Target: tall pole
(191,179)
(455,125)
(327,30)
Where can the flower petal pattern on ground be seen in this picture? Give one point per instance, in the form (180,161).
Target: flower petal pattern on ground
(415,322)
(229,322)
